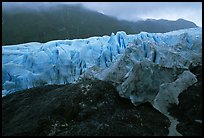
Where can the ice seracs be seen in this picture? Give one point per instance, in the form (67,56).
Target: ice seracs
(57,62)
(64,61)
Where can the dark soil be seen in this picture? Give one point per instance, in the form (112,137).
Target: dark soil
(189,108)
(90,107)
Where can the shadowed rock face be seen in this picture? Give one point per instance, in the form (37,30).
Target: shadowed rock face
(89,107)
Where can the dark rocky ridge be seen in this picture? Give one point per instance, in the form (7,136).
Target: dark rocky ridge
(93,107)
(90,107)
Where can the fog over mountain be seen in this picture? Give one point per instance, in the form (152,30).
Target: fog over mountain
(43,22)
(131,11)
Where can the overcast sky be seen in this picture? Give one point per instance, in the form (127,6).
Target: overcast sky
(133,11)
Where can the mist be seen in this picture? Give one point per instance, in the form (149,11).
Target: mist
(131,11)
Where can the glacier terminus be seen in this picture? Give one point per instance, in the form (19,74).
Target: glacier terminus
(137,64)
(144,67)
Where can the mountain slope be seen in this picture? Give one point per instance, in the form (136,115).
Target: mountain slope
(22,25)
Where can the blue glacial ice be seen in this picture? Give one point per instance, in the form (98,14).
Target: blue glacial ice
(65,61)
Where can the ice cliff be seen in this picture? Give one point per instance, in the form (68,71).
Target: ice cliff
(147,59)
(57,62)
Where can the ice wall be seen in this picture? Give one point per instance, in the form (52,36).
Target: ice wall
(64,61)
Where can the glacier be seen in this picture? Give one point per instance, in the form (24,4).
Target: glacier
(144,67)
(65,61)
(56,62)
(151,60)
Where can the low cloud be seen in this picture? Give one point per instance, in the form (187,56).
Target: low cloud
(134,11)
